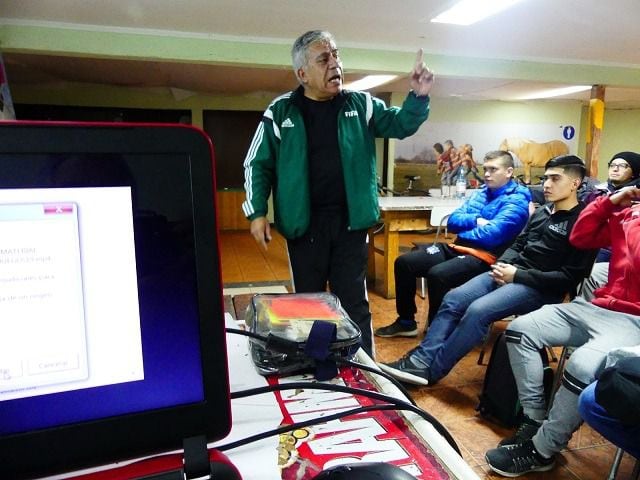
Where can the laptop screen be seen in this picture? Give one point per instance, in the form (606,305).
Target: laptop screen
(112,341)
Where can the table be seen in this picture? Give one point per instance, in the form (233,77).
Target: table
(402,214)
(352,439)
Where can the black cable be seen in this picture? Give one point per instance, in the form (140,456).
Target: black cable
(362,366)
(335,358)
(309,423)
(246,333)
(402,405)
(354,391)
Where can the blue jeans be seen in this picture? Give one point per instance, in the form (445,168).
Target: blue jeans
(464,318)
(626,437)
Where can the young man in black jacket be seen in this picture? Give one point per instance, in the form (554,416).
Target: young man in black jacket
(539,268)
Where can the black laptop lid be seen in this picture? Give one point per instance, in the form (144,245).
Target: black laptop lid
(111,314)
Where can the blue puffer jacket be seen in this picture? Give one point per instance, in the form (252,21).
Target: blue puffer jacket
(506,208)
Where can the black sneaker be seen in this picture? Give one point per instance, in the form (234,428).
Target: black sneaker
(406,371)
(525,431)
(397,329)
(516,460)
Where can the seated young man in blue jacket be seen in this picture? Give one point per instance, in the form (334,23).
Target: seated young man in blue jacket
(539,268)
(486,224)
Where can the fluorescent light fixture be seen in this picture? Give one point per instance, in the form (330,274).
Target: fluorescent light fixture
(370,81)
(554,92)
(466,12)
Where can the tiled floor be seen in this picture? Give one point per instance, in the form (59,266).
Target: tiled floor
(453,400)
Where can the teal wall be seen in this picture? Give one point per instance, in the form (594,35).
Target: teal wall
(87,95)
(149,45)
(620,126)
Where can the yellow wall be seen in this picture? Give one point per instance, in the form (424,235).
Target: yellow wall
(621,133)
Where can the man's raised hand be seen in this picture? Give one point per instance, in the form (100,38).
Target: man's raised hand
(421,78)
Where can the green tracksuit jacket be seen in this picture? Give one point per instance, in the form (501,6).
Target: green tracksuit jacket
(277,158)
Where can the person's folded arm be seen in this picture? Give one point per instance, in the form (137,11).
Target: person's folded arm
(591,229)
(502,228)
(563,280)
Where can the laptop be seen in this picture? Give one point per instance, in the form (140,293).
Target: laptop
(112,344)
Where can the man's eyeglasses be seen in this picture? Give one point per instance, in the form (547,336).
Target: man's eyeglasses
(619,166)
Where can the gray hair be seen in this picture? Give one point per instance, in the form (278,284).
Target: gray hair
(301,46)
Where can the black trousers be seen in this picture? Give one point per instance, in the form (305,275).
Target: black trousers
(330,253)
(444,269)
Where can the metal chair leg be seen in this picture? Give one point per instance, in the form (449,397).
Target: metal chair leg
(423,288)
(485,344)
(635,475)
(613,471)
(557,378)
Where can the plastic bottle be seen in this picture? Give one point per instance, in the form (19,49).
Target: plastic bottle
(444,187)
(461,184)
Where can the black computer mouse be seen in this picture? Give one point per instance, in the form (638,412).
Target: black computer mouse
(364,471)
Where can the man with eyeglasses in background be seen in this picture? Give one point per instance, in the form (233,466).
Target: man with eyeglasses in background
(624,170)
(485,225)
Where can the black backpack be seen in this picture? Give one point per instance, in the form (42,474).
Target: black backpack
(499,397)
(618,390)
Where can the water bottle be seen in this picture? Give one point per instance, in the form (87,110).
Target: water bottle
(461,184)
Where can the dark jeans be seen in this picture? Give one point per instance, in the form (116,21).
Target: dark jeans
(443,268)
(626,437)
(330,253)
(465,316)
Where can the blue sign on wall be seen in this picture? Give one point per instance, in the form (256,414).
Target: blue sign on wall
(568,132)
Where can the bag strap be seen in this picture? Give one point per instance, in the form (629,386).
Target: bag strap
(321,336)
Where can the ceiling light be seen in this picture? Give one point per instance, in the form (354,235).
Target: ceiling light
(554,92)
(466,12)
(370,81)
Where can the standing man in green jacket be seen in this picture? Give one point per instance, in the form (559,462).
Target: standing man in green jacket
(315,150)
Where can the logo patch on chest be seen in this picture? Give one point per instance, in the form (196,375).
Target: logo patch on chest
(560,228)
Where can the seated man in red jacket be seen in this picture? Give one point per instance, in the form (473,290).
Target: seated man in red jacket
(610,320)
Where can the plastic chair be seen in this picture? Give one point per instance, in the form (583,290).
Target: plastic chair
(438,218)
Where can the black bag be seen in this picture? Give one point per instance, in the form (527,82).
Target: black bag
(618,390)
(499,397)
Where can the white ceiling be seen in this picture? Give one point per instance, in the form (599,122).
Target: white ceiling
(551,33)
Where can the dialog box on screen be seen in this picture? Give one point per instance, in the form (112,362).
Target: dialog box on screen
(42,320)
